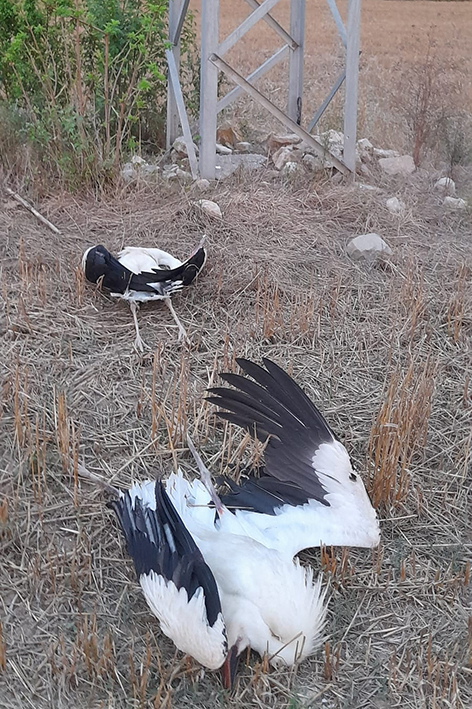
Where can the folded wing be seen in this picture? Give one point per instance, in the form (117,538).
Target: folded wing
(178,585)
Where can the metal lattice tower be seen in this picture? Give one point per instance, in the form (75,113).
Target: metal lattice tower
(212,61)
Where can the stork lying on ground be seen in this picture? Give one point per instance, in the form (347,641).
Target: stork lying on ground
(217,592)
(219,579)
(139,274)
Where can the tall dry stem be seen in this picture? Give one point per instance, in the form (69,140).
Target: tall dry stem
(400,431)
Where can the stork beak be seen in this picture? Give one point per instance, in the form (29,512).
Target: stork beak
(230,667)
(200,245)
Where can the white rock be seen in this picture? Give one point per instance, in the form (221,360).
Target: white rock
(180,147)
(395,205)
(244,147)
(174,172)
(226,165)
(312,162)
(137,160)
(380,153)
(368,246)
(211,209)
(128,172)
(333,141)
(169,171)
(202,185)
(364,149)
(223,149)
(365,144)
(282,156)
(333,136)
(290,168)
(148,169)
(402,165)
(446,185)
(455,203)
(184,176)
(367,188)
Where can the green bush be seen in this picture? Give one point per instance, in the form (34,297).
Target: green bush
(85,80)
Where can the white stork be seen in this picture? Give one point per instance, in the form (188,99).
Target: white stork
(219,573)
(139,274)
(217,592)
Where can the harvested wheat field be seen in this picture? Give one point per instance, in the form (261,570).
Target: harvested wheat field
(405,47)
(384,350)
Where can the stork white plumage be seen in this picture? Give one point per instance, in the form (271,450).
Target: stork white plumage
(138,275)
(216,592)
(218,572)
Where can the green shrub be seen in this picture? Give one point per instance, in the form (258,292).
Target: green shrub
(85,80)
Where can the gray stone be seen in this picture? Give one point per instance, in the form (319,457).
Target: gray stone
(243,147)
(446,186)
(333,141)
(223,149)
(367,188)
(402,165)
(148,169)
(211,209)
(201,185)
(170,171)
(180,147)
(128,172)
(281,156)
(174,172)
(184,176)
(455,203)
(227,164)
(380,153)
(395,205)
(312,162)
(364,149)
(138,160)
(368,246)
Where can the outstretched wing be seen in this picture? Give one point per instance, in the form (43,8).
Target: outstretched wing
(274,407)
(303,463)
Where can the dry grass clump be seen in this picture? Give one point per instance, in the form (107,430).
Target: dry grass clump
(383,348)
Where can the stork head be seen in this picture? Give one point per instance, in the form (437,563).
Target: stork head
(94,262)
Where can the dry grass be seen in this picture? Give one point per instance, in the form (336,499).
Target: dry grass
(384,350)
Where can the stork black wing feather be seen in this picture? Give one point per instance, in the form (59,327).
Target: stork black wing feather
(261,494)
(275,407)
(157,540)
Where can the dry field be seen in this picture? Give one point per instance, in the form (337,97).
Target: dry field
(396,39)
(385,350)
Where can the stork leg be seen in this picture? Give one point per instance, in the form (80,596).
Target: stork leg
(182,332)
(206,477)
(138,343)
